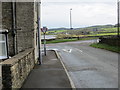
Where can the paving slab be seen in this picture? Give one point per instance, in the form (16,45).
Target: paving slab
(50,74)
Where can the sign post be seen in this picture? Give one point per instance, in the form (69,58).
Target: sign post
(44,30)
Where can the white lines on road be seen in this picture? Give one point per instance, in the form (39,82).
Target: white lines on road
(69,50)
(78,50)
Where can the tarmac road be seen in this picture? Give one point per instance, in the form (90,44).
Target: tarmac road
(88,67)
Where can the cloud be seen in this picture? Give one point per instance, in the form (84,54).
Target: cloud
(56,14)
(78,1)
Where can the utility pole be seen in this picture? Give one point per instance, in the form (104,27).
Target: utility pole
(71,19)
(118,7)
(39,33)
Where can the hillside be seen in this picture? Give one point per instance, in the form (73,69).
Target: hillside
(90,27)
(99,29)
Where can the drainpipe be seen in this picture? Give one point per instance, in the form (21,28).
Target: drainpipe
(14,27)
(39,33)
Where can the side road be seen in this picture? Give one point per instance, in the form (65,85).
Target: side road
(51,74)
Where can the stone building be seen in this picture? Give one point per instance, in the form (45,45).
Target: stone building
(21,19)
(0,15)
(24,25)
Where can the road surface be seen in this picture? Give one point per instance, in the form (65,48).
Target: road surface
(49,37)
(88,67)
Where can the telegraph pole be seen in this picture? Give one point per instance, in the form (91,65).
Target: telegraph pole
(39,32)
(71,19)
(118,7)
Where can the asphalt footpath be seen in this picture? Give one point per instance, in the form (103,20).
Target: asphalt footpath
(51,74)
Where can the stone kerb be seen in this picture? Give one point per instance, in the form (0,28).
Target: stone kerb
(16,69)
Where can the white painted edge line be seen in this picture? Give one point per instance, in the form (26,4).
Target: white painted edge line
(80,50)
(71,82)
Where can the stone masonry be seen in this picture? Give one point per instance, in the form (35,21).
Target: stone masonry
(16,69)
(0,15)
(24,21)
(7,22)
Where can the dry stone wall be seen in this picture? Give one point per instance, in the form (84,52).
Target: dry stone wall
(16,69)
(112,40)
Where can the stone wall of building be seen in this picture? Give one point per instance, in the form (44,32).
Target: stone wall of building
(24,21)
(7,23)
(0,15)
(16,69)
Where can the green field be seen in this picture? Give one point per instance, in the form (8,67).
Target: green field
(102,34)
(68,40)
(60,40)
(100,31)
(106,47)
(108,29)
(55,32)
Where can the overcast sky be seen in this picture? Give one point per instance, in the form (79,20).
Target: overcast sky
(56,13)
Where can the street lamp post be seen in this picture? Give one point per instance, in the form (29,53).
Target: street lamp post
(71,19)
(118,5)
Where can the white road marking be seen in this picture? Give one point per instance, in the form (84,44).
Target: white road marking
(69,51)
(64,50)
(79,50)
(52,49)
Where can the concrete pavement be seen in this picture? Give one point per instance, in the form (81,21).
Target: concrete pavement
(88,67)
(50,74)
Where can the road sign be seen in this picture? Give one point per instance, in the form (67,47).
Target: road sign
(44,29)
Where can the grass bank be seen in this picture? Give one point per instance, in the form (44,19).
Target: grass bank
(69,40)
(60,40)
(106,47)
(103,34)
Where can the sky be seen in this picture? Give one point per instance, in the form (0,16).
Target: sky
(56,13)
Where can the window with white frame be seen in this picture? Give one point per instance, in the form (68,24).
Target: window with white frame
(3,46)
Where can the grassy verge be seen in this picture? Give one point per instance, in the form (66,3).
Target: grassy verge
(60,40)
(103,34)
(106,47)
(69,40)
